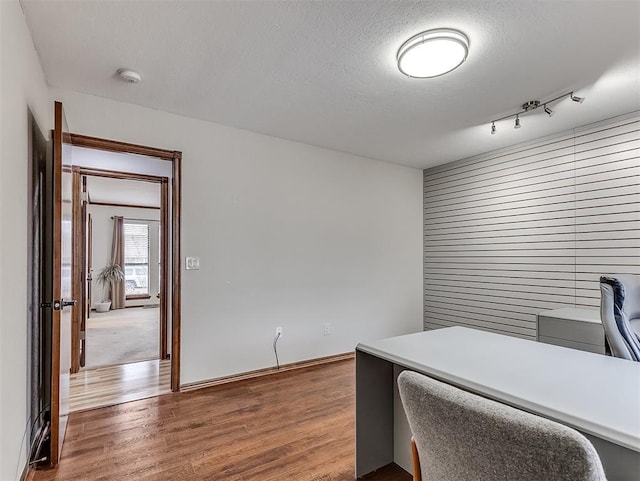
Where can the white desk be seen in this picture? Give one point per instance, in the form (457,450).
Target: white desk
(597,395)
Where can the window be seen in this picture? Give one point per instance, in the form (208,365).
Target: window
(136,258)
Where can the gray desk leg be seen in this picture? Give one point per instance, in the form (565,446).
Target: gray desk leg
(374,413)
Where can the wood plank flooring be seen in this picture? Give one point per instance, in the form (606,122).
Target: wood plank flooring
(110,385)
(291,426)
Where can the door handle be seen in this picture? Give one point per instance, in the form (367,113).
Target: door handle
(58,305)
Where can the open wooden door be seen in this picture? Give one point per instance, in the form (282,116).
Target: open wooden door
(61,304)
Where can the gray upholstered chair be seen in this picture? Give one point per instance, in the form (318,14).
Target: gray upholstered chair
(464,437)
(620,314)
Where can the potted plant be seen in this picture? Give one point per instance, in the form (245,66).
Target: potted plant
(110,274)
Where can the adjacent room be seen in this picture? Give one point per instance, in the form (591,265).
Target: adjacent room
(320,240)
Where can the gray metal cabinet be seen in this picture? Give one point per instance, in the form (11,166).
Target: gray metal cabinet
(571,327)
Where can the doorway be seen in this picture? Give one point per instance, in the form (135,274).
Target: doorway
(126,211)
(134,341)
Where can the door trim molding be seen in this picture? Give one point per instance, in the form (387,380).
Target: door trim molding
(176,278)
(175,157)
(111,204)
(122,147)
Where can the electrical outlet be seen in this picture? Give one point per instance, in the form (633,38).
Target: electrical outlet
(279,331)
(327,328)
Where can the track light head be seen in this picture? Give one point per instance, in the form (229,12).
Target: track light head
(493,128)
(517,125)
(575,98)
(548,111)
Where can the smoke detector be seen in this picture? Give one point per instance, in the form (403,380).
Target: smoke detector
(129,76)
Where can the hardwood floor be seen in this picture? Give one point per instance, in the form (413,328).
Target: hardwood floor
(110,385)
(291,426)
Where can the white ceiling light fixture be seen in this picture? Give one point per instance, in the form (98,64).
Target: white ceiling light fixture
(433,53)
(129,76)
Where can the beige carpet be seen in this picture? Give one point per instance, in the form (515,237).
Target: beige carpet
(122,336)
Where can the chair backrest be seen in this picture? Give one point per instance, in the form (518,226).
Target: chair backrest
(620,302)
(464,437)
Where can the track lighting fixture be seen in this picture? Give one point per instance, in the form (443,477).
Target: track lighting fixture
(533,105)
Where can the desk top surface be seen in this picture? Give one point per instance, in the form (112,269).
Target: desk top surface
(596,394)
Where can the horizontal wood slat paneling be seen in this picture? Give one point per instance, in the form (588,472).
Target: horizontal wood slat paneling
(513,283)
(510,233)
(555,165)
(518,200)
(474,166)
(608,233)
(541,148)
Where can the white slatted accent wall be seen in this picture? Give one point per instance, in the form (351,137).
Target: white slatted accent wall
(515,232)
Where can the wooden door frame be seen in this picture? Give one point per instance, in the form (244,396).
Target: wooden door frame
(175,157)
(80,175)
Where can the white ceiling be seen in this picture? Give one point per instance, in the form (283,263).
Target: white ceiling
(122,191)
(324,73)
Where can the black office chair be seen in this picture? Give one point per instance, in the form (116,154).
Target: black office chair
(620,315)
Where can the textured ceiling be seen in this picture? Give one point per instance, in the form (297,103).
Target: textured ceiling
(324,73)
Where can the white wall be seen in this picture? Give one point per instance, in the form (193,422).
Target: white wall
(288,235)
(102,235)
(22,86)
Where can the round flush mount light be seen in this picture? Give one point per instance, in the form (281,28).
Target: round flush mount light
(433,53)
(130,76)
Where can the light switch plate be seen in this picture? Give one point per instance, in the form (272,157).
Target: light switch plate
(192,263)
